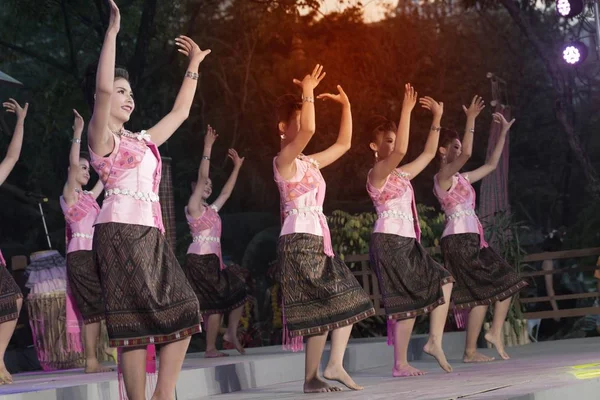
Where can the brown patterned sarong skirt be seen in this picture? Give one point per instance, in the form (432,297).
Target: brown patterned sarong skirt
(9,294)
(147,297)
(84,283)
(319,292)
(218,291)
(409,279)
(482,276)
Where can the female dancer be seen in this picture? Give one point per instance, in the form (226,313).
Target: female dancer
(482,276)
(147,297)
(220,290)
(411,282)
(81,209)
(319,292)
(11,298)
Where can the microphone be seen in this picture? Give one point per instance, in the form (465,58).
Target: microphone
(39,197)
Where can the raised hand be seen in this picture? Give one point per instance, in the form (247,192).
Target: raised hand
(312,80)
(237,160)
(13,107)
(410,98)
(210,137)
(477,104)
(437,109)
(189,48)
(341,97)
(499,119)
(114,22)
(78,123)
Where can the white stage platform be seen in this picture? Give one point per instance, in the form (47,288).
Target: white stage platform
(567,369)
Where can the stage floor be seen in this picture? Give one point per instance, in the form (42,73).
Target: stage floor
(568,369)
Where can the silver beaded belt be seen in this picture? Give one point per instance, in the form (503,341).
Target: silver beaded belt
(396,214)
(301,210)
(461,213)
(82,235)
(199,238)
(144,196)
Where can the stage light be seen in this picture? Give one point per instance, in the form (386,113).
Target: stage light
(574,53)
(569,8)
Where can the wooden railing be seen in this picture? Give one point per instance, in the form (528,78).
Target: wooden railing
(367,278)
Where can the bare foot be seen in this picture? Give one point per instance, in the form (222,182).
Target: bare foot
(496,340)
(340,375)
(5,376)
(214,354)
(92,366)
(233,339)
(436,351)
(476,357)
(318,386)
(403,370)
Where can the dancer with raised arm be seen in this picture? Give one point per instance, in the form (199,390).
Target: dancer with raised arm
(11,298)
(319,292)
(220,289)
(81,209)
(148,299)
(482,276)
(411,282)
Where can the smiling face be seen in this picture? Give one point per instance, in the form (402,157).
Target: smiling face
(122,103)
(451,151)
(83,172)
(384,144)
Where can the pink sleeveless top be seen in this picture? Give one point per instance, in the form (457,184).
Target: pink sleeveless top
(395,205)
(206,232)
(2,261)
(301,200)
(80,218)
(458,204)
(131,176)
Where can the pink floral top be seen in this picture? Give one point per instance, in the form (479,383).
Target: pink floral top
(80,218)
(458,204)
(206,232)
(131,176)
(395,205)
(302,199)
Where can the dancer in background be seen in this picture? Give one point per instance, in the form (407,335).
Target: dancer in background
(220,289)
(482,276)
(319,292)
(411,282)
(148,299)
(81,209)
(11,298)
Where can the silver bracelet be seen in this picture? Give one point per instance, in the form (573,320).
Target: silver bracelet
(308,99)
(76,140)
(207,158)
(192,75)
(436,128)
(472,130)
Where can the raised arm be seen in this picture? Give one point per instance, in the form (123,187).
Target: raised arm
(195,205)
(74,157)
(383,168)
(415,167)
(344,139)
(285,160)
(14,148)
(448,170)
(100,138)
(97,189)
(230,184)
(165,128)
(491,164)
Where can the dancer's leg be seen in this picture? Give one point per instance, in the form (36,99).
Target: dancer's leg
(335,369)
(232,325)
(133,364)
(402,332)
(494,335)
(314,352)
(437,322)
(6,331)
(92,333)
(171,358)
(474,325)
(213,324)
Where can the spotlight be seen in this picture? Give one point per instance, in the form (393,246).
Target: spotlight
(574,53)
(569,8)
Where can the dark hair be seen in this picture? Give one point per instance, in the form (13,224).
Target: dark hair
(121,73)
(84,156)
(89,81)
(447,136)
(286,106)
(379,125)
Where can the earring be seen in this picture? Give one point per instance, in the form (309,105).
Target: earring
(376,156)
(444,158)
(282,137)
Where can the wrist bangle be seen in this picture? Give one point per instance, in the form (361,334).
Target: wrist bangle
(308,99)
(192,75)
(472,130)
(76,140)
(207,158)
(436,128)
